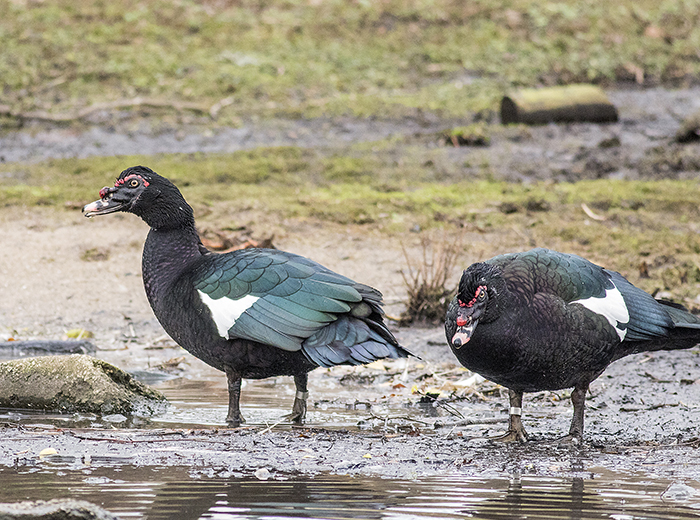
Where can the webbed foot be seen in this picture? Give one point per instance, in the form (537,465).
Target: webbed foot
(234,420)
(570,440)
(512,435)
(516,432)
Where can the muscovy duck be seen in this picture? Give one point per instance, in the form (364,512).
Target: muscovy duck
(253,313)
(544,320)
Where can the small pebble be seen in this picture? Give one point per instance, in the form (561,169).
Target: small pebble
(262,474)
(47,452)
(114,418)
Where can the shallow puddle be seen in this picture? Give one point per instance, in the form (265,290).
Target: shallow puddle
(184,493)
(197,403)
(203,403)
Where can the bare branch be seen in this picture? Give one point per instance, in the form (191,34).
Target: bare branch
(64,117)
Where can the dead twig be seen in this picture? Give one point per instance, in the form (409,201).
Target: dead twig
(471,422)
(219,105)
(270,427)
(588,211)
(689,443)
(65,117)
(450,409)
(442,404)
(397,417)
(135,441)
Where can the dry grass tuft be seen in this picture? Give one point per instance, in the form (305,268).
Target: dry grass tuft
(426,281)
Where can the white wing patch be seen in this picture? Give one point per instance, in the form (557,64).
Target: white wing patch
(226,311)
(612,307)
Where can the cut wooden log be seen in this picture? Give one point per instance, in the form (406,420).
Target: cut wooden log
(566,104)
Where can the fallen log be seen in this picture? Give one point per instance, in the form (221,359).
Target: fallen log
(565,104)
(110,106)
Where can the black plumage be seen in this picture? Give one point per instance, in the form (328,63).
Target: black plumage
(253,313)
(544,320)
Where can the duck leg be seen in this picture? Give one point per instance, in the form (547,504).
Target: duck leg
(299,408)
(234,417)
(578,399)
(516,432)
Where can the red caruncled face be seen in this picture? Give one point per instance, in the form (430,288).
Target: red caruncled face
(132,181)
(467,317)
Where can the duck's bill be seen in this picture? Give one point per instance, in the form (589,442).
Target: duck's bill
(102,207)
(463,334)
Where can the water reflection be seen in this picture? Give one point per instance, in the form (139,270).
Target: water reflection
(552,502)
(186,493)
(204,404)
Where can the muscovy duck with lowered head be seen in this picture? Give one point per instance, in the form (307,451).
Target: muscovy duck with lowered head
(253,313)
(544,320)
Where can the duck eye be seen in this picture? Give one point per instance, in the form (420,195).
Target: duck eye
(133,183)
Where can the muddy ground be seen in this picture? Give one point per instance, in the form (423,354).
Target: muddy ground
(643,413)
(626,149)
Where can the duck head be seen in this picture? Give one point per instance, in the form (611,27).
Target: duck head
(141,191)
(476,301)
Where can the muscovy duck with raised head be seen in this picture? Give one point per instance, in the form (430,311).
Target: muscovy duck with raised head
(544,320)
(253,313)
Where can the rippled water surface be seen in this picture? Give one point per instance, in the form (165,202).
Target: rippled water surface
(182,493)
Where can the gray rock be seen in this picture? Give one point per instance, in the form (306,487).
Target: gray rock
(57,509)
(678,491)
(262,473)
(37,347)
(75,383)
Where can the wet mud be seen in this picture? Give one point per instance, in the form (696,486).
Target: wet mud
(640,145)
(642,416)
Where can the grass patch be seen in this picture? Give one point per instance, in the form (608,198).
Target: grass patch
(645,229)
(292,58)
(330,184)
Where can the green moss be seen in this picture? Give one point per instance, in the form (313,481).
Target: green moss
(476,134)
(348,169)
(75,383)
